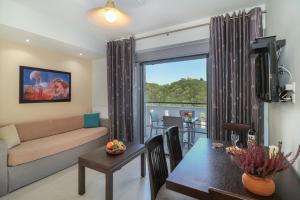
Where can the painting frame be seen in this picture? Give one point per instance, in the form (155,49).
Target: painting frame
(22,100)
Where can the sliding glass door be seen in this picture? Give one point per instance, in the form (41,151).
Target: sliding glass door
(172,87)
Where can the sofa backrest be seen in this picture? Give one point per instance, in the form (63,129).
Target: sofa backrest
(39,129)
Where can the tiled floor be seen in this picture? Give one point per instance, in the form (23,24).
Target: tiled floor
(128,185)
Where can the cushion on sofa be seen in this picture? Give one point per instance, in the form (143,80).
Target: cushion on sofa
(91,120)
(40,148)
(9,135)
(35,130)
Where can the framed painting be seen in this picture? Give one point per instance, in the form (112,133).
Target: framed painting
(43,85)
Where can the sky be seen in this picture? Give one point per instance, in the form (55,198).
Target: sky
(165,73)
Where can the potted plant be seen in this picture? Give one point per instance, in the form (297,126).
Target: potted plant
(260,166)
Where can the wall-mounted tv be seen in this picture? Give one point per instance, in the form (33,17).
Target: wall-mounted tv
(39,85)
(266,63)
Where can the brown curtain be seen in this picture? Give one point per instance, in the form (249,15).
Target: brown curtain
(120,63)
(231,73)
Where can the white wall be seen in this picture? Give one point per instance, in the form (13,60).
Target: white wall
(176,38)
(12,55)
(99,87)
(14,14)
(283,21)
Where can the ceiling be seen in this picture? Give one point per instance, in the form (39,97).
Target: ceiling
(66,21)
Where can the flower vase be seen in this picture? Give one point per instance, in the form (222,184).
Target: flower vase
(258,185)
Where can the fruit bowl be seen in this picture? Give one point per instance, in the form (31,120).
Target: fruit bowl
(115,147)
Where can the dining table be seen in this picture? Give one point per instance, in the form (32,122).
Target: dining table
(204,167)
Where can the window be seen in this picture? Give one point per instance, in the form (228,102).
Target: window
(174,85)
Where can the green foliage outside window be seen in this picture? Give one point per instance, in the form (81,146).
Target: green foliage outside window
(183,90)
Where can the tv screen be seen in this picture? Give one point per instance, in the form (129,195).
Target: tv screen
(266,64)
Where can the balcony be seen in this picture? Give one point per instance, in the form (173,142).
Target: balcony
(173,109)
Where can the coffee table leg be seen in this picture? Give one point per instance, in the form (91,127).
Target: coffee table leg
(81,179)
(109,186)
(143,166)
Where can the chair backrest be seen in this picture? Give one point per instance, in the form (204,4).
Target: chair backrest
(175,151)
(217,194)
(173,121)
(157,164)
(182,112)
(238,128)
(154,116)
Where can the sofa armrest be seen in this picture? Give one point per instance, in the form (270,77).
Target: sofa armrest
(3,168)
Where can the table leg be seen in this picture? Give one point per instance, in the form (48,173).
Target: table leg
(189,137)
(81,179)
(109,186)
(143,166)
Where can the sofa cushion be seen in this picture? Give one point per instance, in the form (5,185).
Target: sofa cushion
(40,148)
(35,130)
(91,120)
(9,135)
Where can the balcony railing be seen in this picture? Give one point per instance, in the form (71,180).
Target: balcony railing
(176,103)
(173,109)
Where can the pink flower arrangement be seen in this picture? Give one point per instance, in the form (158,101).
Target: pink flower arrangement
(256,160)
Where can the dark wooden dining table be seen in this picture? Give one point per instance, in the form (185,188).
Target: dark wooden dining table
(204,167)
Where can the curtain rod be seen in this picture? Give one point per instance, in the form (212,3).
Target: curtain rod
(184,29)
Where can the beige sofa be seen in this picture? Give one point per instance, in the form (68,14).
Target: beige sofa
(46,147)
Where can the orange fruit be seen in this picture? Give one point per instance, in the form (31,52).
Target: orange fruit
(109,145)
(115,141)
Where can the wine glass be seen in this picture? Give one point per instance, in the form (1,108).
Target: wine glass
(234,138)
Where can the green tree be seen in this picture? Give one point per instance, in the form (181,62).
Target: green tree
(183,90)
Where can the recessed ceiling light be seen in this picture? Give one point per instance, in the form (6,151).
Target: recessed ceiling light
(27,40)
(80,54)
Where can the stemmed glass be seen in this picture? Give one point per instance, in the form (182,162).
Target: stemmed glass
(234,138)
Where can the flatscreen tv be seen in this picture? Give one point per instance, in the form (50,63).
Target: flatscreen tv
(266,63)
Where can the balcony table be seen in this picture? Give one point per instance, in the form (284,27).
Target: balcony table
(190,125)
(205,167)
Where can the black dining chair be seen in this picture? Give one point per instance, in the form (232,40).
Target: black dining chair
(158,171)
(174,146)
(157,164)
(217,194)
(241,129)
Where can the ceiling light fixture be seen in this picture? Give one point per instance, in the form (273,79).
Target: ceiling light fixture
(80,54)
(27,40)
(108,15)
(111,16)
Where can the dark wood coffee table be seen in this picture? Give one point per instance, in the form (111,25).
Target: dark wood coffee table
(100,161)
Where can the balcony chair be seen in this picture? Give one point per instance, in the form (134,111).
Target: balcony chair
(170,121)
(155,123)
(173,142)
(158,171)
